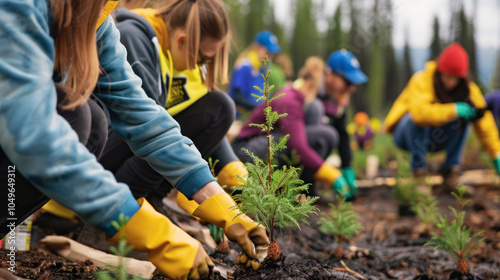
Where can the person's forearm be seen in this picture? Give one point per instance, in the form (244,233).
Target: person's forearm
(207,191)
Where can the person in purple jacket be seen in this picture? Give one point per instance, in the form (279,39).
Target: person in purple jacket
(312,140)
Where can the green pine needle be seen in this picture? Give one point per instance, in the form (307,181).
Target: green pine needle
(455,238)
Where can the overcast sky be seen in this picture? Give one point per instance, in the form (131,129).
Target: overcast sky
(416,17)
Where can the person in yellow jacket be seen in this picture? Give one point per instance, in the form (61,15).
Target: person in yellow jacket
(178,49)
(54,57)
(434,111)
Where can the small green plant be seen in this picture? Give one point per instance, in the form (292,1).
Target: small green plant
(216,232)
(274,198)
(426,208)
(118,272)
(342,222)
(405,190)
(455,237)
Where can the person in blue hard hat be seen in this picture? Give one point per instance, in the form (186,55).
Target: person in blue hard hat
(343,74)
(247,70)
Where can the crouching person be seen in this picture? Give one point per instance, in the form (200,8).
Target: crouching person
(434,111)
(51,138)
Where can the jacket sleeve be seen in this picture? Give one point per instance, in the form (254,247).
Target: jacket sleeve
(424,109)
(149,130)
(142,57)
(38,141)
(485,127)
(294,125)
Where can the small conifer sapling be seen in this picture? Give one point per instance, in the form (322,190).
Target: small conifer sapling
(455,237)
(273,197)
(342,222)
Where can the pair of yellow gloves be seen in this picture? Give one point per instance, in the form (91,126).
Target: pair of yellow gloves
(177,254)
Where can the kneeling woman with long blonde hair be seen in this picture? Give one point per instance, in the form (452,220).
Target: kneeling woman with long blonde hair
(46,135)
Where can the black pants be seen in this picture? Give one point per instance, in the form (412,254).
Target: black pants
(91,125)
(205,122)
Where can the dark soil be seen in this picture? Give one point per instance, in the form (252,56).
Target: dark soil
(389,247)
(37,265)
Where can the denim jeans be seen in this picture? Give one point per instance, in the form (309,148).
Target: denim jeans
(418,140)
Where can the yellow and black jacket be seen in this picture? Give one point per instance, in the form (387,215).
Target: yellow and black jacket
(145,37)
(420,101)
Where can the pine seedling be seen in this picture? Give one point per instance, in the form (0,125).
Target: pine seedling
(455,237)
(118,272)
(405,190)
(274,198)
(426,208)
(342,222)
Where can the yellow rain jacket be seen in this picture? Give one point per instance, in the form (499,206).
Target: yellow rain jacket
(420,101)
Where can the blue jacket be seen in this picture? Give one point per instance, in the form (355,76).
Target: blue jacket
(42,145)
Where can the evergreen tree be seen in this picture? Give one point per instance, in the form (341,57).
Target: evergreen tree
(335,35)
(392,77)
(436,43)
(464,34)
(305,38)
(407,64)
(376,72)
(258,19)
(278,29)
(358,45)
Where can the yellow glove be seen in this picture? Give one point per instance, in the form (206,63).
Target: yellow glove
(241,229)
(228,174)
(187,205)
(169,248)
(57,209)
(327,173)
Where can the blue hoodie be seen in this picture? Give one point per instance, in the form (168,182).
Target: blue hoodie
(42,145)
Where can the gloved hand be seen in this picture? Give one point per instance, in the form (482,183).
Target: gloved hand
(465,111)
(348,174)
(496,162)
(228,175)
(341,187)
(237,227)
(169,248)
(189,206)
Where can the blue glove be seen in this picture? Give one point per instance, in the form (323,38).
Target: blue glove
(341,187)
(348,174)
(496,162)
(465,111)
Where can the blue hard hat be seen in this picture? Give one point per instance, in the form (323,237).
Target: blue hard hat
(345,63)
(268,40)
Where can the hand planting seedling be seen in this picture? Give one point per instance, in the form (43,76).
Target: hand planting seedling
(268,195)
(118,272)
(455,237)
(342,222)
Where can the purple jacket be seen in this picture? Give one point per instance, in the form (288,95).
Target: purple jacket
(293,124)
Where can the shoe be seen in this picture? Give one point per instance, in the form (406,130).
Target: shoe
(419,172)
(451,175)
(450,180)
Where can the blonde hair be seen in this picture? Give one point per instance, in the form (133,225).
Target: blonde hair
(132,4)
(313,70)
(76,58)
(201,19)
